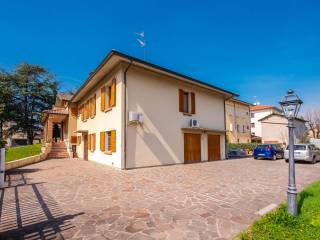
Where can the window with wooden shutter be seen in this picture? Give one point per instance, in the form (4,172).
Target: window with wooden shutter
(102,141)
(113,141)
(193,103)
(73,139)
(112,94)
(187,102)
(103,99)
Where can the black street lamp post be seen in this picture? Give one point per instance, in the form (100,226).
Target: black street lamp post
(290,105)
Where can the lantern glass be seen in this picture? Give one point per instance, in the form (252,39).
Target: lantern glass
(290,104)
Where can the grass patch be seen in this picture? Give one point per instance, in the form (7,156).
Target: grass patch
(15,153)
(281,225)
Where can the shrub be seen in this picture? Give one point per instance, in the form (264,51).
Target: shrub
(2,143)
(245,146)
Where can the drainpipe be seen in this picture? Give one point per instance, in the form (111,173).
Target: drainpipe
(125,116)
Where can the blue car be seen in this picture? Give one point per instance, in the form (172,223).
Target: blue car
(268,151)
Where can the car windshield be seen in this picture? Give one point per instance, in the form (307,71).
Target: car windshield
(263,146)
(299,147)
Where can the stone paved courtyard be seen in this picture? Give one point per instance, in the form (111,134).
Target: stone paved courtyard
(74,199)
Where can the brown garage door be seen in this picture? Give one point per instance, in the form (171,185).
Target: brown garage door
(214,147)
(192,147)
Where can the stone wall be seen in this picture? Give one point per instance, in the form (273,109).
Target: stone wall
(29,160)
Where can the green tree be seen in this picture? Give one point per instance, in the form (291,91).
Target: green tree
(7,94)
(35,90)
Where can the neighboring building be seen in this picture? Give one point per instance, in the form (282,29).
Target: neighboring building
(18,138)
(131,113)
(238,121)
(274,129)
(258,112)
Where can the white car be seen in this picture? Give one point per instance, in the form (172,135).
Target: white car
(304,152)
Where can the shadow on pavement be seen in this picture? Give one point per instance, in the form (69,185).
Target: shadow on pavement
(27,211)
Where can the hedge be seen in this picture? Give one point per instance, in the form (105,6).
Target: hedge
(243,146)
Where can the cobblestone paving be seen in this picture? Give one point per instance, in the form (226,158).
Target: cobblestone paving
(74,199)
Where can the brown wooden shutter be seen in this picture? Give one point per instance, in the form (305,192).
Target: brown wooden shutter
(102,141)
(87,109)
(94,142)
(73,139)
(113,140)
(112,93)
(74,111)
(181,96)
(91,108)
(82,112)
(103,99)
(94,105)
(193,103)
(79,140)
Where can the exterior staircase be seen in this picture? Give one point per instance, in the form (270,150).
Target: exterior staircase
(58,150)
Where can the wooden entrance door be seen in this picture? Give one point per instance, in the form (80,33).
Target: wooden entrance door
(192,147)
(214,147)
(86,147)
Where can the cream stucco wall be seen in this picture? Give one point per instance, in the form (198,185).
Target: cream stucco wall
(259,114)
(238,114)
(275,129)
(160,140)
(104,121)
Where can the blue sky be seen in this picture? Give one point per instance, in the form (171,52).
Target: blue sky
(258,49)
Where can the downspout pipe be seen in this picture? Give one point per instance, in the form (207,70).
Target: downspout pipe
(125,116)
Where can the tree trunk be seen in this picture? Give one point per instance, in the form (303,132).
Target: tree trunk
(30,137)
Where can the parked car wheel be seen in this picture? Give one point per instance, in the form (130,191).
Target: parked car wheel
(274,157)
(287,160)
(255,158)
(314,161)
(279,156)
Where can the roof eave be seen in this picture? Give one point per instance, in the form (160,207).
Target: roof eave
(137,61)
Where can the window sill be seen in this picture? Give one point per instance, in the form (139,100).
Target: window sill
(187,114)
(108,109)
(108,153)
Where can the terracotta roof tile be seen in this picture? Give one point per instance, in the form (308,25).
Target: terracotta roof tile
(62,111)
(65,96)
(260,107)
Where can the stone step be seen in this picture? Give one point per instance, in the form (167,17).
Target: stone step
(58,150)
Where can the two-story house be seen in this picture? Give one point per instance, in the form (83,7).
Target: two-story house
(258,112)
(238,121)
(274,129)
(131,113)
